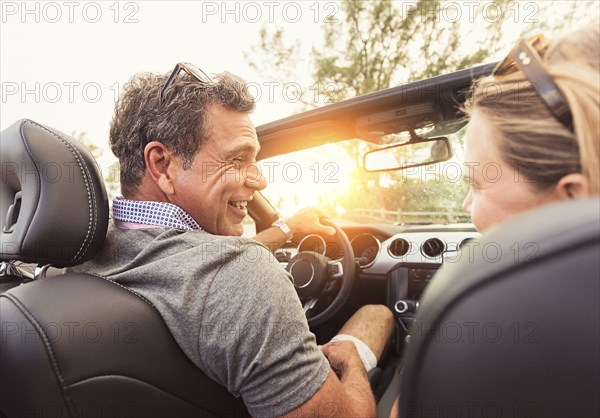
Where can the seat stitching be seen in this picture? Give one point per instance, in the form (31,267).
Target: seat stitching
(29,315)
(123,287)
(90,190)
(83,381)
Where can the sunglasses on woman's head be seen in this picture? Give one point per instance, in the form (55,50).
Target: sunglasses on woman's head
(527,57)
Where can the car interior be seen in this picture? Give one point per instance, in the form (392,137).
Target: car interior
(509,327)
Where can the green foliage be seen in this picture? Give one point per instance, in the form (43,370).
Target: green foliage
(378,44)
(379,41)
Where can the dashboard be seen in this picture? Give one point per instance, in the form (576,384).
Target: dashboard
(407,261)
(381,249)
(397,260)
(417,246)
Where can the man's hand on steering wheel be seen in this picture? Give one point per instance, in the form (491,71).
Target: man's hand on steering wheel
(308,221)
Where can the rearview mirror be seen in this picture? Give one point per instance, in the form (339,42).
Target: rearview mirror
(408,154)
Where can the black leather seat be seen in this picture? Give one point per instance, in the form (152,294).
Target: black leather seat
(77,344)
(513,330)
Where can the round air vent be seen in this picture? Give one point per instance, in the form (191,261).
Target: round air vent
(433,247)
(466,241)
(399,247)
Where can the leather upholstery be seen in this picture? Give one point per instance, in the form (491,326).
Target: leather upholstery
(76,344)
(63,213)
(513,329)
(81,343)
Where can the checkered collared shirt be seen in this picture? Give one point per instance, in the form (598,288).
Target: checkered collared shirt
(147,213)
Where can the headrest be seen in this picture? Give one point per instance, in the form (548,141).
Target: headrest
(53,204)
(514,323)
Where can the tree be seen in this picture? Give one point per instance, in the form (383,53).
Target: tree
(374,45)
(377,44)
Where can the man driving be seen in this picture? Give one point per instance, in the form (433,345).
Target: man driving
(187,151)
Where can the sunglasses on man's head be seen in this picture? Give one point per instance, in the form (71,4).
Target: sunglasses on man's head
(190,69)
(527,57)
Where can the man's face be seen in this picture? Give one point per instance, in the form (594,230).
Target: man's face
(498,192)
(223,176)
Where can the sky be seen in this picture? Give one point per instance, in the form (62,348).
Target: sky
(63,63)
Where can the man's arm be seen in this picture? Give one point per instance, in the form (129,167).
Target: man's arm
(272,238)
(348,396)
(306,221)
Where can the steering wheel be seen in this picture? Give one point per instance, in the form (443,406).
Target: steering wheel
(316,276)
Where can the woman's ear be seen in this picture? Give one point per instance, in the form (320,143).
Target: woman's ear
(160,165)
(573,186)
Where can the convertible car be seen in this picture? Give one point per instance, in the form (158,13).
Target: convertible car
(505,324)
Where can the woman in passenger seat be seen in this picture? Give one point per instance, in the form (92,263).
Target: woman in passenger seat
(533,136)
(534,131)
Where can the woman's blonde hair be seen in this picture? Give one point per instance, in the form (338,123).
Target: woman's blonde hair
(531,140)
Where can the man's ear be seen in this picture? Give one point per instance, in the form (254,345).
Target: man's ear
(160,165)
(573,186)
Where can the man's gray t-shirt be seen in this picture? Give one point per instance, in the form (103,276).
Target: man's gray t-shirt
(230,306)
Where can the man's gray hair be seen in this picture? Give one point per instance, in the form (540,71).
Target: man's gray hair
(179,122)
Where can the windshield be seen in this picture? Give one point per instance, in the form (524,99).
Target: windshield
(331,177)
